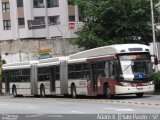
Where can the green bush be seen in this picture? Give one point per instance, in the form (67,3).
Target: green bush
(157,80)
(0,83)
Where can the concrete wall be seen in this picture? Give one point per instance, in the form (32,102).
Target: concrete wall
(13,50)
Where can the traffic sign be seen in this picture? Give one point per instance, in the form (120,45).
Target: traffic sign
(44,51)
(141,75)
(71,25)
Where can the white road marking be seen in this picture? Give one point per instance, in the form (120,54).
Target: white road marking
(56,116)
(76,112)
(33,107)
(31,116)
(111,108)
(3,104)
(125,110)
(116,109)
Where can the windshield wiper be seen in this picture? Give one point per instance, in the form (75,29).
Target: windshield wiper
(128,66)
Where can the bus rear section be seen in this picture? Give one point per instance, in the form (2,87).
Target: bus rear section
(18,78)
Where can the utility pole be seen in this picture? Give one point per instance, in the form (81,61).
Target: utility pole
(63,44)
(0,74)
(76,13)
(64,34)
(46,20)
(153,31)
(18,36)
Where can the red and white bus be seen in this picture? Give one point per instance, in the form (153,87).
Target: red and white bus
(109,70)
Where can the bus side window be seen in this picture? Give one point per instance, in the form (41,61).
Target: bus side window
(85,70)
(4,76)
(101,67)
(107,69)
(112,69)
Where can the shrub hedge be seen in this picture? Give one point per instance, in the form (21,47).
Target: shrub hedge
(157,80)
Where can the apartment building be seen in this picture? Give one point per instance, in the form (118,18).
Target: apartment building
(29,19)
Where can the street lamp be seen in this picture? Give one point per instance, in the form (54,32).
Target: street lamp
(18,34)
(155,52)
(64,50)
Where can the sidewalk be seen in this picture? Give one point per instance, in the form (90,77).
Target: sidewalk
(3,94)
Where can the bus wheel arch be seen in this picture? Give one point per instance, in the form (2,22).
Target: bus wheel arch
(106,91)
(14,90)
(73,90)
(42,91)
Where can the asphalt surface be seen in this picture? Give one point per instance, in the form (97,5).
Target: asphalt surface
(82,108)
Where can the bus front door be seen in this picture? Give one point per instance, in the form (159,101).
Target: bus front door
(52,79)
(93,78)
(7,85)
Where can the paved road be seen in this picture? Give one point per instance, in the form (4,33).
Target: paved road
(64,108)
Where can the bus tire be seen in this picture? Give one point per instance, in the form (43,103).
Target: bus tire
(139,95)
(73,91)
(14,91)
(42,91)
(106,91)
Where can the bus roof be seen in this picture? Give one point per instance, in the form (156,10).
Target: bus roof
(110,50)
(55,59)
(128,48)
(18,65)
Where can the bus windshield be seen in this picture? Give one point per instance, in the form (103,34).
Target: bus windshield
(136,66)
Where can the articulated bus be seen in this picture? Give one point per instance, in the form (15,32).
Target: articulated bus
(108,71)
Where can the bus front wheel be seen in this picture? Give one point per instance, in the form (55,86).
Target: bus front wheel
(73,91)
(42,91)
(14,91)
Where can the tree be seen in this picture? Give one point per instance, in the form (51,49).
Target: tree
(115,21)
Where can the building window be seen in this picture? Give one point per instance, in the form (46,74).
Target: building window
(21,21)
(40,19)
(38,4)
(71,18)
(52,20)
(7,24)
(5,7)
(52,3)
(37,23)
(70,2)
(19,3)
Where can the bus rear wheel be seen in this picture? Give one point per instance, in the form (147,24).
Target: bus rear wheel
(14,91)
(139,95)
(73,91)
(42,91)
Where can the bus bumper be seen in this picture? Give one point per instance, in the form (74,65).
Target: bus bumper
(136,89)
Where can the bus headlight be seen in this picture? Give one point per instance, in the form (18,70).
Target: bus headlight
(126,84)
(150,82)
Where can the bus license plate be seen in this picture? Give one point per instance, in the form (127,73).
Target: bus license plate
(139,88)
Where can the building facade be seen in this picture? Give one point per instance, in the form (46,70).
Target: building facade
(29,19)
